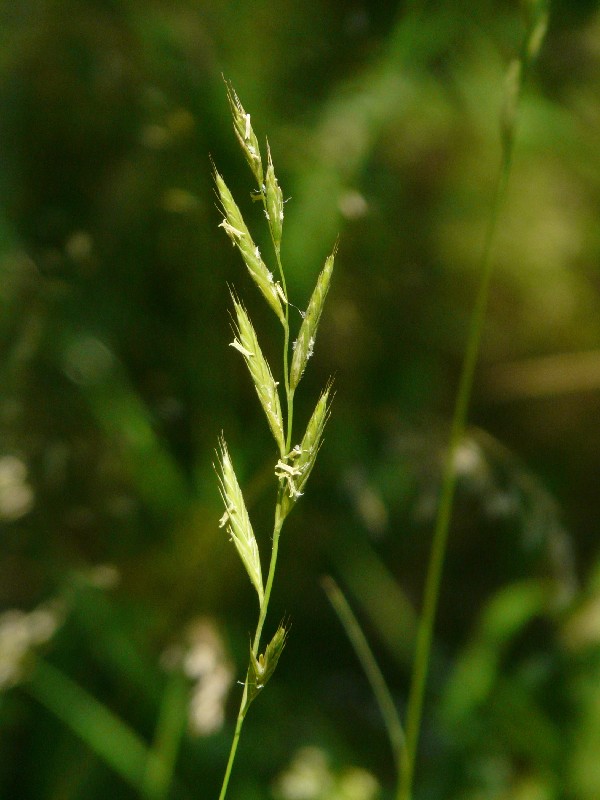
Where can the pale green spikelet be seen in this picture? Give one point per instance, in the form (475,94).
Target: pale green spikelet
(296,467)
(304,344)
(262,668)
(236,520)
(536,12)
(235,227)
(245,134)
(274,202)
(311,440)
(246,342)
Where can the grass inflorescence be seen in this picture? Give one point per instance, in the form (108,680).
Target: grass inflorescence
(295,456)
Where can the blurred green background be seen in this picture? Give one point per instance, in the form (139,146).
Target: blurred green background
(116,380)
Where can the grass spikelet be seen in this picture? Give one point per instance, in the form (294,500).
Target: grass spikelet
(262,668)
(238,232)
(305,342)
(247,343)
(274,202)
(236,520)
(302,459)
(245,135)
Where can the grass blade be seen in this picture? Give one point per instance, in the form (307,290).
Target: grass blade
(167,737)
(113,741)
(370,667)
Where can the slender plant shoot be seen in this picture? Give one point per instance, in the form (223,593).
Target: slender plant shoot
(534,36)
(294,458)
(404,741)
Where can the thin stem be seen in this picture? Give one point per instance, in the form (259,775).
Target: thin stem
(516,73)
(234,743)
(255,646)
(370,667)
(290,405)
(289,393)
(440,536)
(269,583)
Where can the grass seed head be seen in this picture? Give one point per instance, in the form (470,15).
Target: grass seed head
(262,668)
(245,135)
(246,342)
(304,345)
(237,230)
(274,202)
(236,520)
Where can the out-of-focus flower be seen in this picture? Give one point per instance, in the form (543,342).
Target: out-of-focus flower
(16,495)
(204,660)
(21,633)
(311,777)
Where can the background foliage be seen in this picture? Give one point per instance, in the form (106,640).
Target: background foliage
(116,380)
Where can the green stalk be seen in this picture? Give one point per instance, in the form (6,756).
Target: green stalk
(275,546)
(234,743)
(442,525)
(289,394)
(255,645)
(516,73)
(370,667)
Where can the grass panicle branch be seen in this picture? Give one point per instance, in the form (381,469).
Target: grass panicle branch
(293,466)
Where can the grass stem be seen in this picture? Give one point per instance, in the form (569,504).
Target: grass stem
(255,646)
(517,70)
(234,742)
(370,667)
